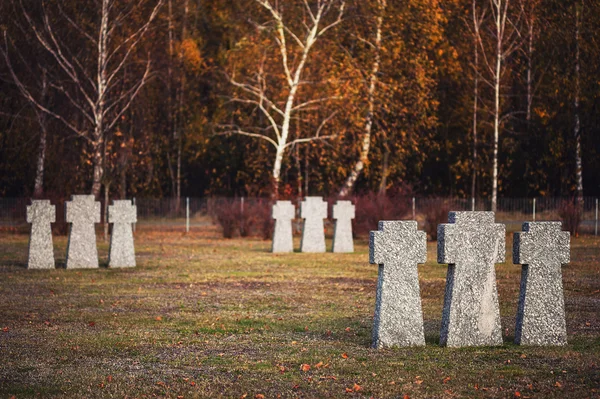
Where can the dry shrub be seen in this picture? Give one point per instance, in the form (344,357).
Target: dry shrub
(372,208)
(570,213)
(226,213)
(435,215)
(263,220)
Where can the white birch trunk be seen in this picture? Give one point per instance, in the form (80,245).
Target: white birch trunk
(577,130)
(348,186)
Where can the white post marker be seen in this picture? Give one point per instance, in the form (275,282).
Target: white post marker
(414,209)
(187,214)
(136,208)
(534,209)
(473,204)
(596,227)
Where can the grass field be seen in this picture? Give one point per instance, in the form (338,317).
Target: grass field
(205,317)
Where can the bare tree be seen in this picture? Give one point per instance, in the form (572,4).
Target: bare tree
(101,91)
(294,49)
(371,94)
(577,128)
(477,20)
(507,39)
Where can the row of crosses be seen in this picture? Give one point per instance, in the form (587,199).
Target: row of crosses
(471,244)
(313,210)
(82,212)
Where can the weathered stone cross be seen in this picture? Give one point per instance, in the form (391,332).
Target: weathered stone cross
(122,251)
(398,247)
(313,210)
(82,212)
(541,248)
(283,213)
(472,243)
(41,252)
(343,213)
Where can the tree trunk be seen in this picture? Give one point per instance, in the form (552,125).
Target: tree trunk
(577,130)
(38,188)
(348,186)
(497,76)
(530,69)
(475,97)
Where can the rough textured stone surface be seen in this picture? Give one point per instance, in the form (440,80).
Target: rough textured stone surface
(541,248)
(471,243)
(343,213)
(397,247)
(313,210)
(82,212)
(283,213)
(41,252)
(122,214)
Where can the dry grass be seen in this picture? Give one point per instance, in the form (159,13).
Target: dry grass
(206,317)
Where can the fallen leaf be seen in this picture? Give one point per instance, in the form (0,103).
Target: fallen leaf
(92,324)
(193,383)
(517,394)
(523,356)
(348,329)
(348,390)
(5,329)
(356,387)
(259,396)
(305,367)
(319,365)
(109,378)
(558,384)
(445,380)
(282,369)
(406,397)
(158,318)
(244,396)
(345,355)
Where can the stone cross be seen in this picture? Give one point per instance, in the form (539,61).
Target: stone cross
(471,243)
(41,252)
(398,247)
(122,214)
(343,213)
(283,213)
(313,210)
(82,212)
(541,248)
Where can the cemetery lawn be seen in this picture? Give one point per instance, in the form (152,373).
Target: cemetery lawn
(206,317)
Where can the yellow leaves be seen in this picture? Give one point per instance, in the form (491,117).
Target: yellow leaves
(191,55)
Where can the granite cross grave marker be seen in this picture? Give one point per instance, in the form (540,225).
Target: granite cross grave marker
(398,247)
(41,252)
(283,213)
(541,248)
(122,214)
(313,210)
(343,213)
(471,243)
(82,212)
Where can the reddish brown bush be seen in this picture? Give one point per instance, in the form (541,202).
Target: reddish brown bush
(372,208)
(570,213)
(435,214)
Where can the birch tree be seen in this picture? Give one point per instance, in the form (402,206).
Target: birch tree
(506,40)
(577,127)
(96,80)
(294,45)
(371,95)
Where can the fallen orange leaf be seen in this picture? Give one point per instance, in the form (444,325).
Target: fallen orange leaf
(345,355)
(445,381)
(558,384)
(319,365)
(305,367)
(517,394)
(158,318)
(348,390)
(356,387)
(259,396)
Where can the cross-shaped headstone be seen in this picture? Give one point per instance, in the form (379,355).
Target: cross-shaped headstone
(283,213)
(343,213)
(313,210)
(471,243)
(541,248)
(41,252)
(122,214)
(82,212)
(398,247)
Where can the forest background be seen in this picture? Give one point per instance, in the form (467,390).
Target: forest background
(171,98)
